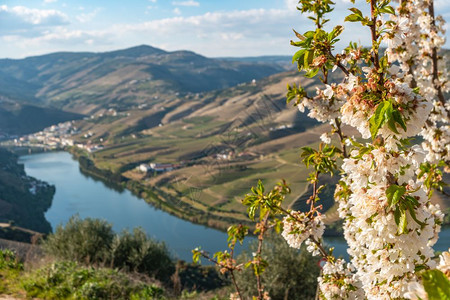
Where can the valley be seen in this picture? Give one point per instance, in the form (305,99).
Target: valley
(190,146)
(216,146)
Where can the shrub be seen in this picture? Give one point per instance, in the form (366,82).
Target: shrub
(85,240)
(137,252)
(92,241)
(291,274)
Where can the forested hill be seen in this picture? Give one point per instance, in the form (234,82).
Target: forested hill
(23,199)
(21,118)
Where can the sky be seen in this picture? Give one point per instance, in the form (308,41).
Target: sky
(214,28)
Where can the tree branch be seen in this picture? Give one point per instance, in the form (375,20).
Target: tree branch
(262,229)
(230,269)
(338,63)
(373,31)
(341,137)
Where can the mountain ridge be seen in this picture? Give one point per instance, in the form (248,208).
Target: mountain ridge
(85,82)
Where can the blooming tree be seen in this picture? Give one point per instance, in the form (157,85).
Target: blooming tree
(392,93)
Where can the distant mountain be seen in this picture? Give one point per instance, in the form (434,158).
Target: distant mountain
(86,82)
(284,61)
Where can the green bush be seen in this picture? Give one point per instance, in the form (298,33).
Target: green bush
(92,241)
(85,240)
(291,274)
(68,280)
(137,252)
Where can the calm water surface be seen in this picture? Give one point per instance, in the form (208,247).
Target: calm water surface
(79,194)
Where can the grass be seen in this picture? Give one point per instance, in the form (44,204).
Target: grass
(70,280)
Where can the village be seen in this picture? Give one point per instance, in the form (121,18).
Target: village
(51,138)
(63,136)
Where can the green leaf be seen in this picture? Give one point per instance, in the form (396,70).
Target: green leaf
(394,194)
(311,73)
(309,34)
(196,255)
(378,118)
(412,200)
(308,58)
(419,268)
(260,187)
(413,214)
(356,11)
(390,119)
(391,125)
(436,285)
(387,10)
(398,118)
(353,18)
(402,226)
(384,62)
(298,56)
(335,32)
(397,216)
(251,212)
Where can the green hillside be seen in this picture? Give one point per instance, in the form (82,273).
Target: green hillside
(221,143)
(85,82)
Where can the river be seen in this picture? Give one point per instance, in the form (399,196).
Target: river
(82,195)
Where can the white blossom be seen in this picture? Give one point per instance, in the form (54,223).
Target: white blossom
(296,230)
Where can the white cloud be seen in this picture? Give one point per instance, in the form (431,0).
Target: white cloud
(227,33)
(177,11)
(25,21)
(34,16)
(186,3)
(61,39)
(50,1)
(291,4)
(87,17)
(246,32)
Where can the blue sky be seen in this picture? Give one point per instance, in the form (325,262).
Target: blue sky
(209,27)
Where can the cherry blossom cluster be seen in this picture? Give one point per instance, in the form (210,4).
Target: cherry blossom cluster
(384,258)
(389,97)
(338,281)
(358,109)
(298,226)
(324,106)
(418,54)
